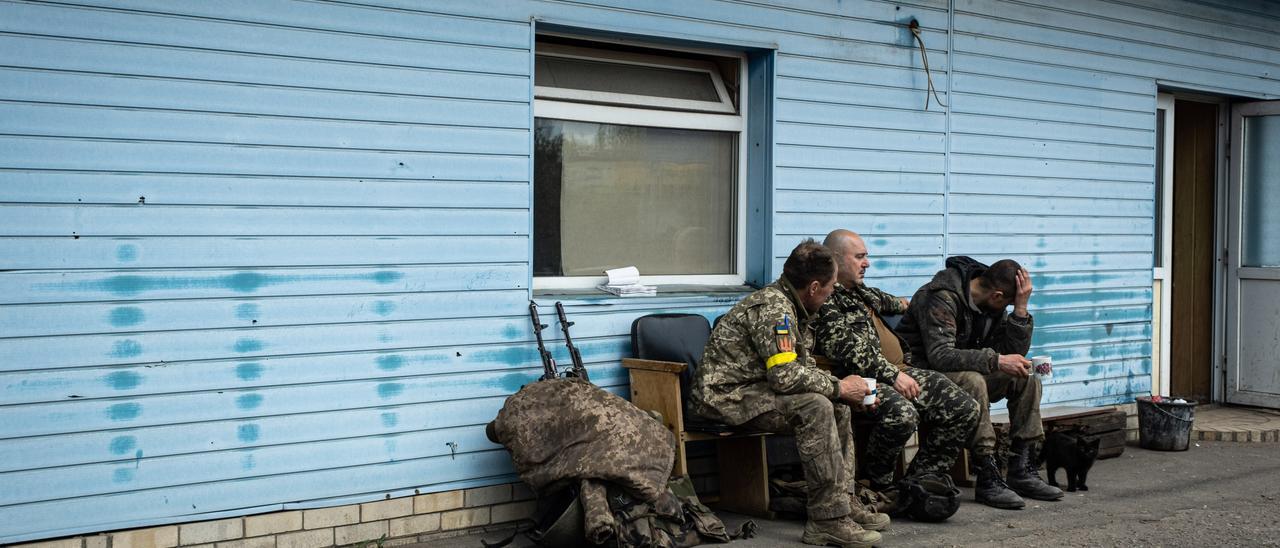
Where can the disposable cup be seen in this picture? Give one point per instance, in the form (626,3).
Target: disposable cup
(1043,366)
(870,398)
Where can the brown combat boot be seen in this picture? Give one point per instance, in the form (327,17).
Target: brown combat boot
(866,515)
(842,531)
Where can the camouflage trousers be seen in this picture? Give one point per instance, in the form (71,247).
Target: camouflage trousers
(823,436)
(1024,406)
(944,414)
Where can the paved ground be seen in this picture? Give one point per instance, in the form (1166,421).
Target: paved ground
(1215,494)
(1240,424)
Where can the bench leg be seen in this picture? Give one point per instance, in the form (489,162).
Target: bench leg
(744,476)
(960,472)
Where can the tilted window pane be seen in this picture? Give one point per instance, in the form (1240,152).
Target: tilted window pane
(609,195)
(1260,222)
(564,72)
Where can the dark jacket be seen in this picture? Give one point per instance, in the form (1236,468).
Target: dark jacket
(945,334)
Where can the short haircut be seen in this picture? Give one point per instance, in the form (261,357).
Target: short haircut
(810,261)
(1001,276)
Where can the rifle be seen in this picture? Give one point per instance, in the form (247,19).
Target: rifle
(579,370)
(548,362)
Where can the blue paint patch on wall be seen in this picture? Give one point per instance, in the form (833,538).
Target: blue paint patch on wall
(247,433)
(512,382)
(390,389)
(386,276)
(514,356)
(390,419)
(248,311)
(124,380)
(122,475)
(246,282)
(124,411)
(247,462)
(510,332)
(125,316)
(249,371)
(247,345)
(384,308)
(122,444)
(243,282)
(383,336)
(126,348)
(249,401)
(390,362)
(127,253)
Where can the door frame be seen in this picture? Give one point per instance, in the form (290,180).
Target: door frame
(1161,272)
(1222,145)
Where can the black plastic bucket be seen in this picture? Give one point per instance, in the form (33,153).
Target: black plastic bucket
(1164,425)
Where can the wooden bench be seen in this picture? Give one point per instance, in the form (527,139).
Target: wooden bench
(741,457)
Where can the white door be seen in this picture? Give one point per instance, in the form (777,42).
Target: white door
(1253,257)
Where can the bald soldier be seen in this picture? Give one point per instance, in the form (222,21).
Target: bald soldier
(757,374)
(852,333)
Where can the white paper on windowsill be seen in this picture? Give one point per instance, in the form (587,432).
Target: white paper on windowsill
(625,276)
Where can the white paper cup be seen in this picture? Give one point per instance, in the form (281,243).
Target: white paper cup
(870,398)
(1043,366)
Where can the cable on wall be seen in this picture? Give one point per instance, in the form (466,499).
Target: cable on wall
(914,25)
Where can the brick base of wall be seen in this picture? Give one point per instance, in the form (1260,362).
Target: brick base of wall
(395,522)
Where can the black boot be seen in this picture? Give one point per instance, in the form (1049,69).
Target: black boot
(1024,477)
(991,489)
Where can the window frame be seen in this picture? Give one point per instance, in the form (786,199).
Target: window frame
(555,106)
(723,106)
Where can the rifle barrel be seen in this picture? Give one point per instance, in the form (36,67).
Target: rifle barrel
(548,362)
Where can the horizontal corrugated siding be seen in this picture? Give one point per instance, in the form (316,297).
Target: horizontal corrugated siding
(263,255)
(256,255)
(1052,159)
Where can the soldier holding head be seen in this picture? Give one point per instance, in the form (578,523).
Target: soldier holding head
(852,333)
(757,373)
(957,324)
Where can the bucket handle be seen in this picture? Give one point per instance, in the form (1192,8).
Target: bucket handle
(1156,406)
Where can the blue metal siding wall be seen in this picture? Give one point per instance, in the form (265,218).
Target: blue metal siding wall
(1052,158)
(254,254)
(261,255)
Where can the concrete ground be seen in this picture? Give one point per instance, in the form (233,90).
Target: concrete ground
(1215,494)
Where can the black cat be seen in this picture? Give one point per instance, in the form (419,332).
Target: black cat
(1069,450)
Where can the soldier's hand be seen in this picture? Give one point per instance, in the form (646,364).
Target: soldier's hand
(1015,365)
(906,386)
(1023,296)
(852,389)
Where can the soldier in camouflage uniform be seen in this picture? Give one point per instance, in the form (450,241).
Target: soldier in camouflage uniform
(757,373)
(957,324)
(852,334)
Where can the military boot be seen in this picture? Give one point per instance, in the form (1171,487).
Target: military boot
(866,515)
(841,531)
(1024,477)
(991,489)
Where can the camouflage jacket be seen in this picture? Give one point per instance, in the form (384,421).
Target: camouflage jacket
(760,348)
(561,431)
(944,333)
(847,335)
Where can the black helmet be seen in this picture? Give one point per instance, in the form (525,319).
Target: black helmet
(561,521)
(929,497)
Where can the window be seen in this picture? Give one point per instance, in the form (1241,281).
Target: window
(638,160)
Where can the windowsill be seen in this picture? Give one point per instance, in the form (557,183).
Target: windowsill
(685,293)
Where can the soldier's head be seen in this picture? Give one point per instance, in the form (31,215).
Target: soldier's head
(995,288)
(851,256)
(811,269)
